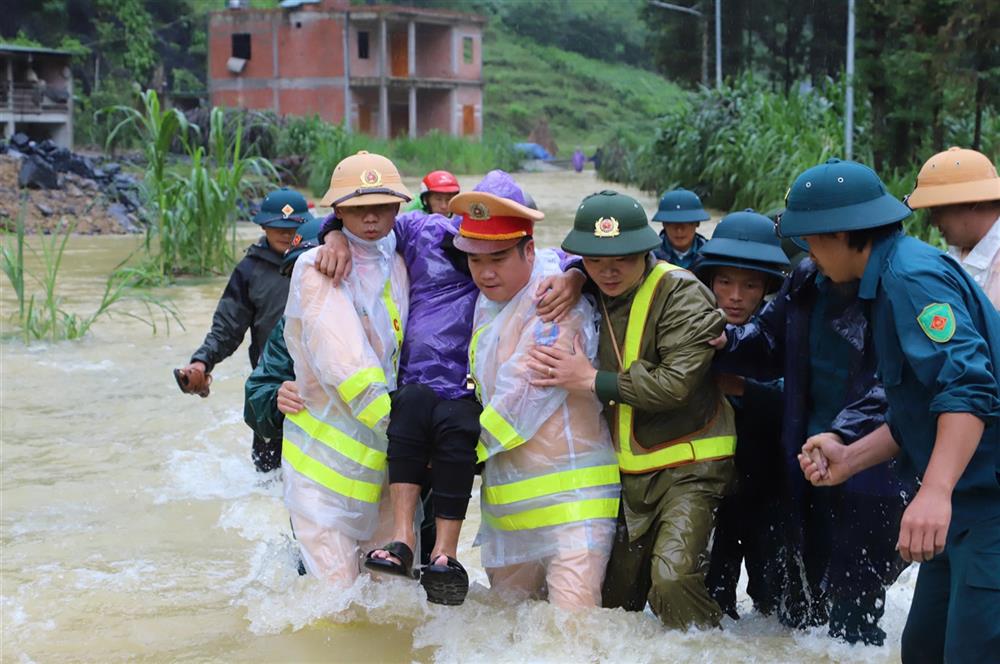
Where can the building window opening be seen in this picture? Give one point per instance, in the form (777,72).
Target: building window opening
(241,45)
(362,45)
(467,52)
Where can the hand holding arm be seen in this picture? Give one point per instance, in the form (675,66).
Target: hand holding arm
(333,258)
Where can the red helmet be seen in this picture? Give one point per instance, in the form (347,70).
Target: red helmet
(441,182)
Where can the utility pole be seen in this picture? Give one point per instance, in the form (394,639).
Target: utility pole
(718,43)
(849,97)
(704,36)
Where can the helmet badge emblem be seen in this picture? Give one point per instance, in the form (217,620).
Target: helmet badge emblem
(286,211)
(606,227)
(371,178)
(479,211)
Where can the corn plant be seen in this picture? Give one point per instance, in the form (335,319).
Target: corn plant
(193,203)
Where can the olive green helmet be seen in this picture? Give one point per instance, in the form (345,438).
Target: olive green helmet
(610,224)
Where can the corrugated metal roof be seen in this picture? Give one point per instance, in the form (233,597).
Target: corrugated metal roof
(17,48)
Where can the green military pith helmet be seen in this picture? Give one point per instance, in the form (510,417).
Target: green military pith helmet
(745,240)
(610,224)
(283,208)
(838,196)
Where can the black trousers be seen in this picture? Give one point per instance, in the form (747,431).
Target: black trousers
(847,561)
(266,454)
(436,438)
(748,531)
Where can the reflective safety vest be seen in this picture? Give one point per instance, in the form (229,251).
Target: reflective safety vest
(632,457)
(334,451)
(550,465)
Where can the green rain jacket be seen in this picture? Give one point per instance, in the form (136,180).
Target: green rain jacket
(671,386)
(260,408)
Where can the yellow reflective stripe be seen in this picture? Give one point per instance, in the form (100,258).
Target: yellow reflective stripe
(375,411)
(696,450)
(552,483)
(390,305)
(482,454)
(364,491)
(554,515)
(359,382)
(338,440)
(500,428)
(472,360)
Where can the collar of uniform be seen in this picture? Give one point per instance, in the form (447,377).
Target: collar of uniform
(981,256)
(873,268)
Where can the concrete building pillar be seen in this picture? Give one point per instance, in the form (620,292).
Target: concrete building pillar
(413,110)
(411,49)
(383,84)
(347,71)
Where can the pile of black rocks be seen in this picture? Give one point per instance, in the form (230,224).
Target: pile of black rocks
(44,165)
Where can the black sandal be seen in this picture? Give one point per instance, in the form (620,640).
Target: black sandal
(445,584)
(398,549)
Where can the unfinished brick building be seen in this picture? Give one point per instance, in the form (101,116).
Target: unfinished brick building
(386,70)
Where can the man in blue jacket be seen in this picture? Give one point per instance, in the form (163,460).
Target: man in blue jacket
(937,339)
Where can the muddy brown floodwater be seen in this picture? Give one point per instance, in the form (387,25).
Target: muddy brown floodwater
(134,527)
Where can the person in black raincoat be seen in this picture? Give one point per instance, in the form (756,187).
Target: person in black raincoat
(741,263)
(254,299)
(839,545)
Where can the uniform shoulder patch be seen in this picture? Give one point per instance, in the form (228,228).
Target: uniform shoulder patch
(938,322)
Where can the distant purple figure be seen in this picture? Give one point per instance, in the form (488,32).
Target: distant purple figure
(578,160)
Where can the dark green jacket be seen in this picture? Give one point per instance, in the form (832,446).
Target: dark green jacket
(670,386)
(254,299)
(260,409)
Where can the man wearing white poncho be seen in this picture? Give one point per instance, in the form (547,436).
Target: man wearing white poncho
(345,343)
(550,483)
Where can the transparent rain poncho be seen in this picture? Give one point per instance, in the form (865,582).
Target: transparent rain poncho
(345,344)
(550,483)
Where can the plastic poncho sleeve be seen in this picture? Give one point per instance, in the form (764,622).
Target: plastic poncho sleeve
(517,409)
(233,316)
(683,329)
(260,409)
(337,349)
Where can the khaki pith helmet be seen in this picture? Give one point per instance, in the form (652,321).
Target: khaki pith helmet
(955,176)
(365,179)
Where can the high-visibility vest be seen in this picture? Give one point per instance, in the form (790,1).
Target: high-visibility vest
(581,484)
(632,457)
(345,458)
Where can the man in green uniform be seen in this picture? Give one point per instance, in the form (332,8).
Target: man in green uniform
(673,431)
(937,338)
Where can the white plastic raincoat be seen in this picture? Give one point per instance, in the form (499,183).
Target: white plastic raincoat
(345,345)
(550,484)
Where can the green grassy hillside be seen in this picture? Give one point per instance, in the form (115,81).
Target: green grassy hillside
(584,100)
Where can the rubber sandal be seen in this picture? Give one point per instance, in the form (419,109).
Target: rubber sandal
(385,566)
(445,584)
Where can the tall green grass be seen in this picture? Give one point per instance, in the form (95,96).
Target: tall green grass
(412,156)
(744,144)
(192,202)
(739,146)
(42,316)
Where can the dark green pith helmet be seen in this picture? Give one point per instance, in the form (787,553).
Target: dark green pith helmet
(610,224)
(283,208)
(838,196)
(680,206)
(745,240)
(304,240)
